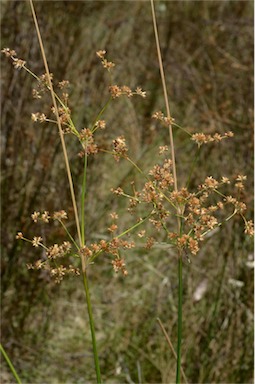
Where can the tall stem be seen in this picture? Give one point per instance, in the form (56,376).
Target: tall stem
(83,196)
(59,126)
(165,94)
(92,327)
(178,368)
(179,223)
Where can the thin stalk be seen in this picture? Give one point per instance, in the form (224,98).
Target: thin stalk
(60,128)
(165,94)
(89,308)
(69,235)
(101,112)
(83,197)
(92,327)
(10,364)
(179,222)
(178,368)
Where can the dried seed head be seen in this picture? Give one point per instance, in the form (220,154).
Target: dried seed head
(8,52)
(35,216)
(249,228)
(36,241)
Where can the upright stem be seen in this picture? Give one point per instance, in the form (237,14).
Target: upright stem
(92,327)
(59,125)
(178,368)
(165,93)
(83,196)
(179,223)
(10,364)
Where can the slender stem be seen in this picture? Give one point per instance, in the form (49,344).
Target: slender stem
(83,196)
(165,93)
(59,127)
(10,364)
(69,235)
(179,222)
(178,368)
(101,112)
(92,327)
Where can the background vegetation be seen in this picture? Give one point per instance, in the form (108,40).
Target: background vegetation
(208,56)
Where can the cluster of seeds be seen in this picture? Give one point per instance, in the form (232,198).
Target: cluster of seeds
(112,247)
(117,91)
(45,216)
(200,212)
(54,253)
(201,138)
(17,63)
(120,148)
(106,64)
(87,140)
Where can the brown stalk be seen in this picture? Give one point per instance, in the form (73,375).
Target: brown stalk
(60,130)
(165,94)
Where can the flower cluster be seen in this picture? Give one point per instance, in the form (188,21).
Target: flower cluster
(117,91)
(112,247)
(38,117)
(64,117)
(87,139)
(120,148)
(52,253)
(201,138)
(106,64)
(45,216)
(161,117)
(56,250)
(199,212)
(17,63)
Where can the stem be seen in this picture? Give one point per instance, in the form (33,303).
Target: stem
(101,112)
(69,175)
(69,235)
(92,327)
(10,364)
(165,94)
(178,368)
(83,196)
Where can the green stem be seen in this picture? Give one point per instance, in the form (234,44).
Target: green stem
(83,196)
(10,364)
(178,368)
(92,327)
(101,112)
(69,234)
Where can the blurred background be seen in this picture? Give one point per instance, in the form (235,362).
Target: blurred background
(207,49)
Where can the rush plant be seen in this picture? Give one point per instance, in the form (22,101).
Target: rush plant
(160,210)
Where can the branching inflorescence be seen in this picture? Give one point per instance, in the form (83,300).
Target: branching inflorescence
(153,205)
(200,211)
